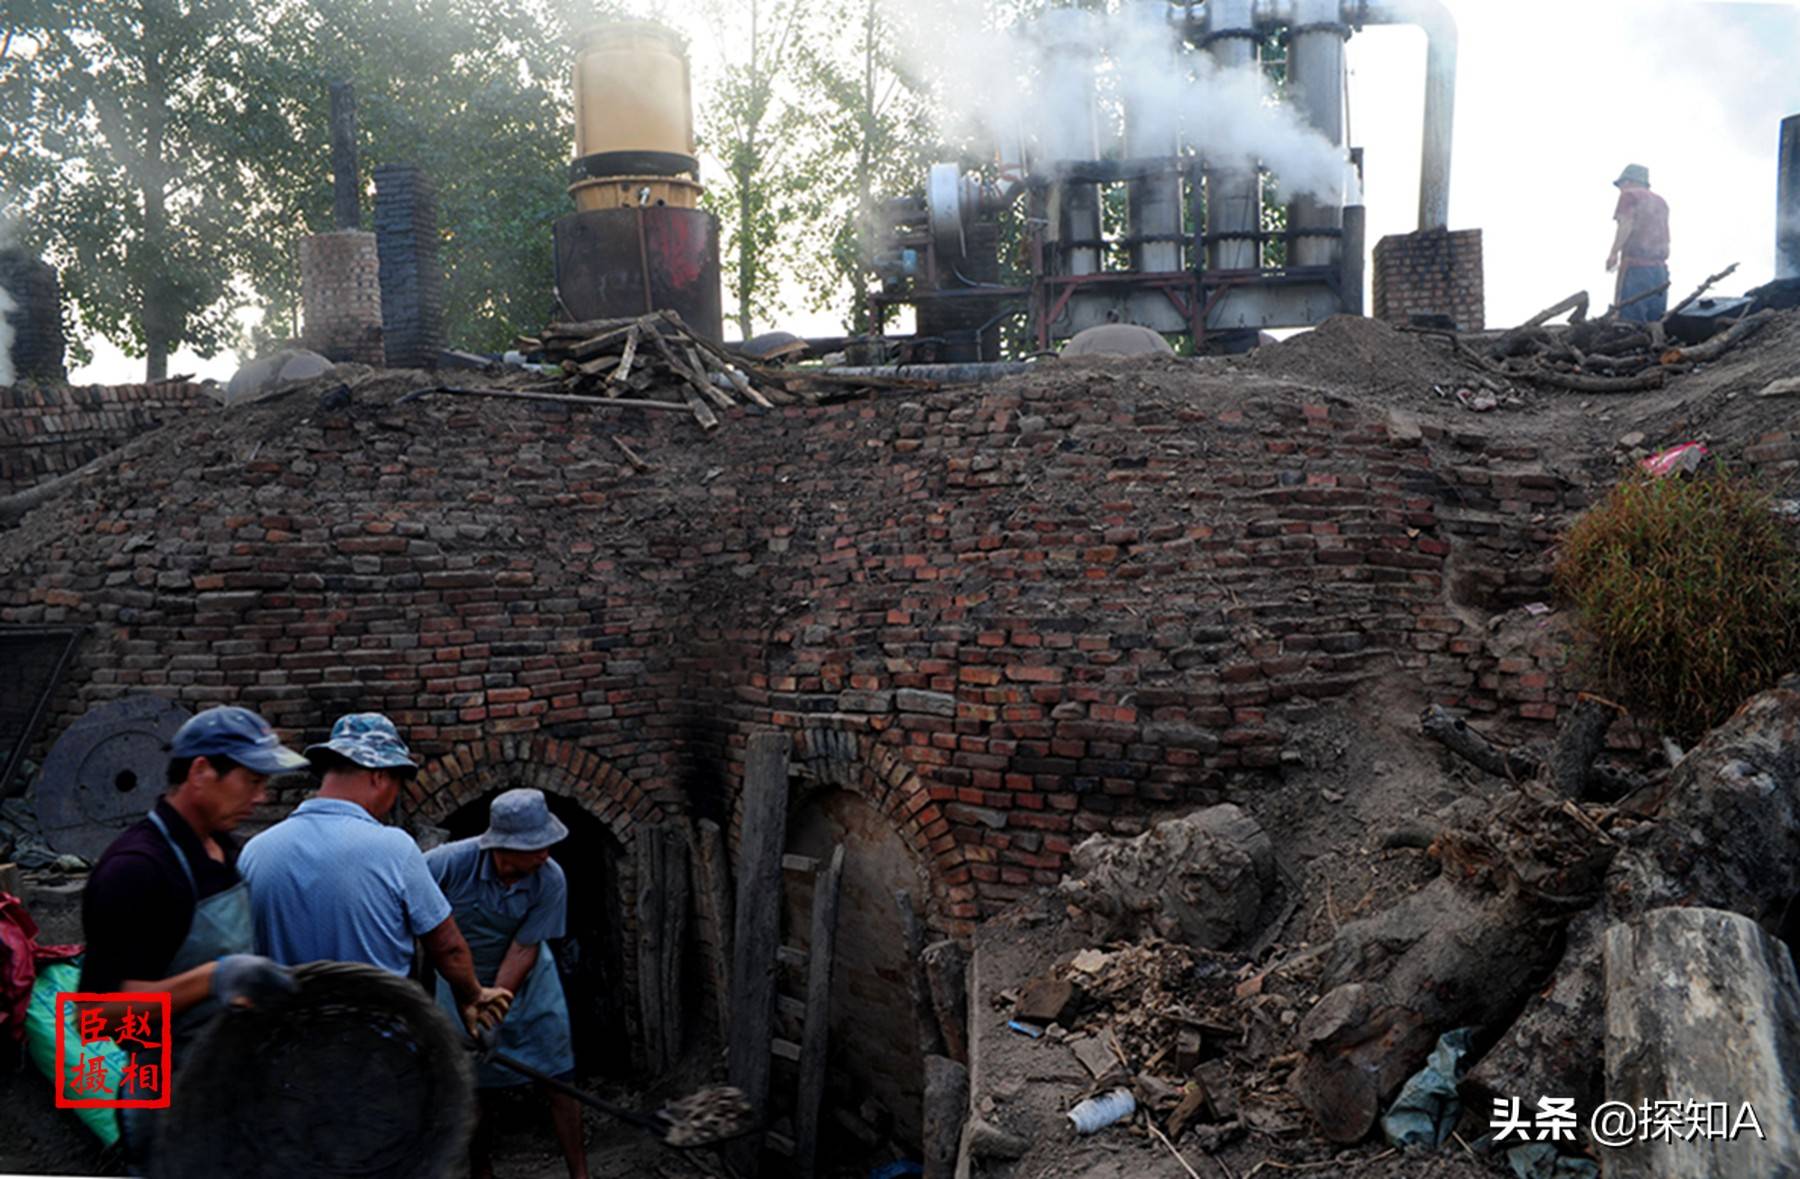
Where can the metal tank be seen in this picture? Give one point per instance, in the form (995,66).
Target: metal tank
(638,241)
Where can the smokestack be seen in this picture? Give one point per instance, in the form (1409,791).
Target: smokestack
(346,188)
(1787,201)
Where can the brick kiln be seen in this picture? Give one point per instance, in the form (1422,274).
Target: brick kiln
(991,621)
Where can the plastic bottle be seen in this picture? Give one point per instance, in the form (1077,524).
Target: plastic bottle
(1097,1113)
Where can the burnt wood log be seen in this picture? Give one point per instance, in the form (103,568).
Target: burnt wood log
(1578,742)
(1702,1005)
(1727,836)
(1454,734)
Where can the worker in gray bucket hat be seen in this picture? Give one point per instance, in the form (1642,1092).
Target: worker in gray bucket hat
(332,882)
(1640,249)
(509,898)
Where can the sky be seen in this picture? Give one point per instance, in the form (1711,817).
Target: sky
(1553,100)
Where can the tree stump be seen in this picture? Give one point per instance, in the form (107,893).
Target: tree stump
(1703,1006)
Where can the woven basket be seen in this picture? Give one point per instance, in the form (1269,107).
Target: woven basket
(360,1074)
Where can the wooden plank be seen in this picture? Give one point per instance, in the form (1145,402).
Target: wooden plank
(595,345)
(924,1017)
(764,803)
(615,384)
(946,974)
(785,1049)
(793,863)
(715,908)
(816,1035)
(789,1007)
(791,956)
(662,902)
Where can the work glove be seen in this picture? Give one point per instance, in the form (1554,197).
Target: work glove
(248,980)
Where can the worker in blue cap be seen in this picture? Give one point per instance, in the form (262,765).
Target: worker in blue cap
(165,909)
(510,899)
(332,882)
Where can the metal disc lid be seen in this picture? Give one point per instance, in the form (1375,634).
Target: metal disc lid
(105,771)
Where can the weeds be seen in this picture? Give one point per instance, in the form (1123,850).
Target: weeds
(1688,589)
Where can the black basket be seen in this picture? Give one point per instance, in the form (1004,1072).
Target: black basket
(360,1074)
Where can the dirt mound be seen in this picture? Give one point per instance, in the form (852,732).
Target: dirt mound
(1361,356)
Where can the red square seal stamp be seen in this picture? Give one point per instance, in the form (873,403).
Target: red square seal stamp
(114,1050)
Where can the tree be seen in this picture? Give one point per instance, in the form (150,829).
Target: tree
(477,94)
(751,124)
(870,121)
(133,125)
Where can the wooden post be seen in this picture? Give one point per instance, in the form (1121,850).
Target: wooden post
(1703,1006)
(946,973)
(930,1042)
(662,901)
(345,170)
(816,1034)
(758,931)
(946,1110)
(715,905)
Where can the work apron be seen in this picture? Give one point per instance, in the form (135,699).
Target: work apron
(536,1028)
(222,925)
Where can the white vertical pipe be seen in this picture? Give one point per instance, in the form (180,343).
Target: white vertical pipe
(1440,92)
(1316,83)
(1233,197)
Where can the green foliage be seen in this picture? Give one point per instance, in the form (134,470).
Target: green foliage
(476,93)
(1689,590)
(131,126)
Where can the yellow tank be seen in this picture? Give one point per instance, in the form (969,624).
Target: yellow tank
(632,99)
(630,192)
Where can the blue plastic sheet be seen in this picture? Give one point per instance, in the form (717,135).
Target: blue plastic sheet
(1427,1109)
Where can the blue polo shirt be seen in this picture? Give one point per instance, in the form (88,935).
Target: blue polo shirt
(330,882)
(466,874)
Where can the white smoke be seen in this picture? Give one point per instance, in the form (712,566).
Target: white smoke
(1059,87)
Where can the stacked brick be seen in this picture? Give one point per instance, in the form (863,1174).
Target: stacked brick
(412,281)
(340,286)
(35,318)
(50,430)
(1431,272)
(1005,619)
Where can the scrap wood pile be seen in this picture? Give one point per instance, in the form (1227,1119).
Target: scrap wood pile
(656,360)
(1602,355)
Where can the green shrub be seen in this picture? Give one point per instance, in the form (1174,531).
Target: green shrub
(1688,589)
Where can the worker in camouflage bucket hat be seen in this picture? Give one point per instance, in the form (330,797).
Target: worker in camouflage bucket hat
(332,882)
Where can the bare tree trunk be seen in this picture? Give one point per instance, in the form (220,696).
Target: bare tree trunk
(154,318)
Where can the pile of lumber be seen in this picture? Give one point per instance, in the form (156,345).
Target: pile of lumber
(657,359)
(643,358)
(1602,355)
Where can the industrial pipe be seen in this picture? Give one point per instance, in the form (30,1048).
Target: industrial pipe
(1316,81)
(948,374)
(1440,92)
(1234,196)
(1787,201)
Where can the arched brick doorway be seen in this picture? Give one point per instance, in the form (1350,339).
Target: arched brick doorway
(604,810)
(849,789)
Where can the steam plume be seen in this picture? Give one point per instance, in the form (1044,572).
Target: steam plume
(1064,86)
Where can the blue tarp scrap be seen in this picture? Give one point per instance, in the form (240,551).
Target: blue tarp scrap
(1428,1108)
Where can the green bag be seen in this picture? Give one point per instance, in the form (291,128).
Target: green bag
(40,1044)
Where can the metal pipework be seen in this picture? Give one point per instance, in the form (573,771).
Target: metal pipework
(1153,201)
(1440,70)
(1440,92)
(1787,201)
(1233,197)
(1074,208)
(1316,81)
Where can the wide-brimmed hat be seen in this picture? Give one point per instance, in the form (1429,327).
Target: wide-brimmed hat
(1634,174)
(520,820)
(368,739)
(236,733)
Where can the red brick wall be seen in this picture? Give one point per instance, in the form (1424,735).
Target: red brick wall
(1005,618)
(1431,272)
(49,430)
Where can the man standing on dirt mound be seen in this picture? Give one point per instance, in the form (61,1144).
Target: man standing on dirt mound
(1640,250)
(509,898)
